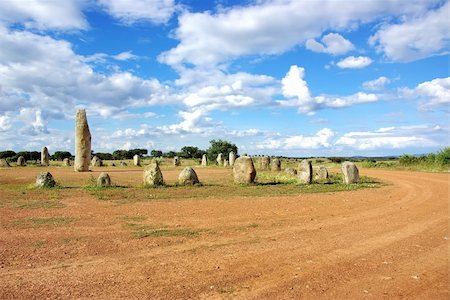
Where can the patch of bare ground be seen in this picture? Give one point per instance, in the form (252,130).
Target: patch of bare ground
(387,242)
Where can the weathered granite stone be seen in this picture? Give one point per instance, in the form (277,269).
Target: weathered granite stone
(66,162)
(243,170)
(188,177)
(219,159)
(96,162)
(276,165)
(4,163)
(231,158)
(21,161)
(137,160)
(45,180)
(204,160)
(321,173)
(264,163)
(82,142)
(103,180)
(45,161)
(153,175)
(350,172)
(176,161)
(290,171)
(305,172)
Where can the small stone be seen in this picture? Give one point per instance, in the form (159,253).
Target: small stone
(96,161)
(243,170)
(219,159)
(188,177)
(45,180)
(21,161)
(321,173)
(103,180)
(305,172)
(225,163)
(123,164)
(350,172)
(276,164)
(231,158)
(137,160)
(66,162)
(290,171)
(4,163)
(264,162)
(153,175)
(204,160)
(176,161)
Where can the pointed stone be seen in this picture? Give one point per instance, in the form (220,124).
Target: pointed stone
(204,160)
(44,157)
(82,142)
(219,159)
(231,158)
(153,175)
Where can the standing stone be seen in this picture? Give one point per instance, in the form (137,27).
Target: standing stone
(290,171)
(350,172)
(305,171)
(66,162)
(103,180)
(176,161)
(220,159)
(44,157)
(82,142)
(226,163)
(4,163)
(232,158)
(123,164)
(276,165)
(137,160)
(204,160)
(45,180)
(96,161)
(153,175)
(265,162)
(21,161)
(243,170)
(188,177)
(321,173)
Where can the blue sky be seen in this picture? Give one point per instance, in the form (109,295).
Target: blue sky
(294,78)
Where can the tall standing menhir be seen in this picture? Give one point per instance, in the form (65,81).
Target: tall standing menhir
(82,142)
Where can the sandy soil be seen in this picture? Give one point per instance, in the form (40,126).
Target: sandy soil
(388,242)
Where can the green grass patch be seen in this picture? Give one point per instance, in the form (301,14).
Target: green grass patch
(36,222)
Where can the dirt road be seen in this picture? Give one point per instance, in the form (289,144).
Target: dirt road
(388,242)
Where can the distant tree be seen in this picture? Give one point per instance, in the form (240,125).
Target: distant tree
(191,152)
(104,156)
(60,155)
(170,154)
(156,153)
(220,146)
(28,155)
(7,154)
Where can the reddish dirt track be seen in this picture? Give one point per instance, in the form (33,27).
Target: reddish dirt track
(388,242)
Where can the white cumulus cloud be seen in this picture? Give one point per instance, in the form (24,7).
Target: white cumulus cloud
(43,15)
(321,139)
(354,62)
(433,94)
(296,90)
(332,43)
(376,84)
(417,37)
(129,12)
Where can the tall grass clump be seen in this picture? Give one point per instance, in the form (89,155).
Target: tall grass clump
(433,161)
